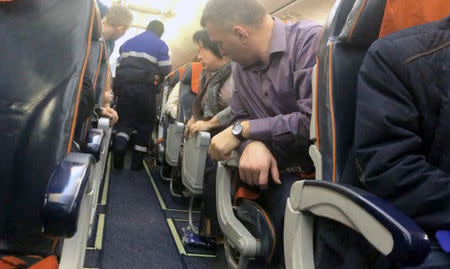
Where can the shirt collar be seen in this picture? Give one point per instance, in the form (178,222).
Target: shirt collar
(278,40)
(277,44)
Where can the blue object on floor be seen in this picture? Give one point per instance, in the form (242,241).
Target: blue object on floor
(191,239)
(444,240)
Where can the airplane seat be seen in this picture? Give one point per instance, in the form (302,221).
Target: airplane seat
(195,151)
(247,229)
(352,26)
(188,90)
(175,143)
(175,130)
(162,121)
(45,194)
(193,166)
(92,73)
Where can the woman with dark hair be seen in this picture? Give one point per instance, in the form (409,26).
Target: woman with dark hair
(210,111)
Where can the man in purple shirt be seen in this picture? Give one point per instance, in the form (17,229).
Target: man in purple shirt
(271,102)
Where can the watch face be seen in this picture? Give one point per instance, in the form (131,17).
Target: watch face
(237,129)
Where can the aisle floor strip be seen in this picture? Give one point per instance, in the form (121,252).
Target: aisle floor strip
(99,236)
(106,185)
(155,188)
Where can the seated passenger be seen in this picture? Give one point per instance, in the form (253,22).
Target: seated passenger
(402,131)
(116,20)
(171,108)
(210,108)
(271,101)
(107,110)
(210,112)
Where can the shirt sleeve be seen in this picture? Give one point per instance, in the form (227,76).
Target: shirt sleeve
(172,102)
(238,111)
(389,147)
(224,117)
(284,128)
(164,63)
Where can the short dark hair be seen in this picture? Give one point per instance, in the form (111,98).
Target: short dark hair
(203,36)
(225,13)
(156,27)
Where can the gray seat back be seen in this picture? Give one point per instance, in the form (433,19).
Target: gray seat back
(175,134)
(195,151)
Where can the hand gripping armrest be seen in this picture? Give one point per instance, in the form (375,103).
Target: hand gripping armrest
(235,232)
(65,190)
(384,227)
(94,141)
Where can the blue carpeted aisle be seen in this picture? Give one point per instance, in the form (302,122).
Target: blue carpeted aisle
(136,233)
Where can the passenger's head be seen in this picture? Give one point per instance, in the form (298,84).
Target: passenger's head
(208,52)
(156,27)
(116,22)
(236,26)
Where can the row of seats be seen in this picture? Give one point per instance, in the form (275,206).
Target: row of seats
(352,27)
(49,191)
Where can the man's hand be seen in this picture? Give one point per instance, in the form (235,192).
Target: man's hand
(255,163)
(222,144)
(197,126)
(111,114)
(188,126)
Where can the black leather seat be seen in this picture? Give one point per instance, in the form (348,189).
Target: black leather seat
(349,224)
(44,57)
(355,25)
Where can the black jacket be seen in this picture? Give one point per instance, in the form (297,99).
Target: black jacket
(402,140)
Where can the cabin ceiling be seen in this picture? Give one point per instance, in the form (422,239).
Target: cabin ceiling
(182,19)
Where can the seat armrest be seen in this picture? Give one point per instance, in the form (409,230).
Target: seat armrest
(235,232)
(233,161)
(175,133)
(94,141)
(387,229)
(104,124)
(195,150)
(65,190)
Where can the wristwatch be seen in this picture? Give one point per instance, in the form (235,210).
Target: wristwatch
(236,130)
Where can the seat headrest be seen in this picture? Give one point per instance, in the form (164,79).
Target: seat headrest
(372,19)
(363,23)
(192,76)
(403,14)
(197,69)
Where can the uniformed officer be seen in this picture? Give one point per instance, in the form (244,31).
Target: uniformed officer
(142,59)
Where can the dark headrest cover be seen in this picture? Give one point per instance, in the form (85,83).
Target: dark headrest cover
(363,23)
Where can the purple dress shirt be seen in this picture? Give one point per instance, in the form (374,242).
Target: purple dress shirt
(276,97)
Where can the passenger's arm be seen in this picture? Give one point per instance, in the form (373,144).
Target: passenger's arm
(221,119)
(389,147)
(223,143)
(164,61)
(172,102)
